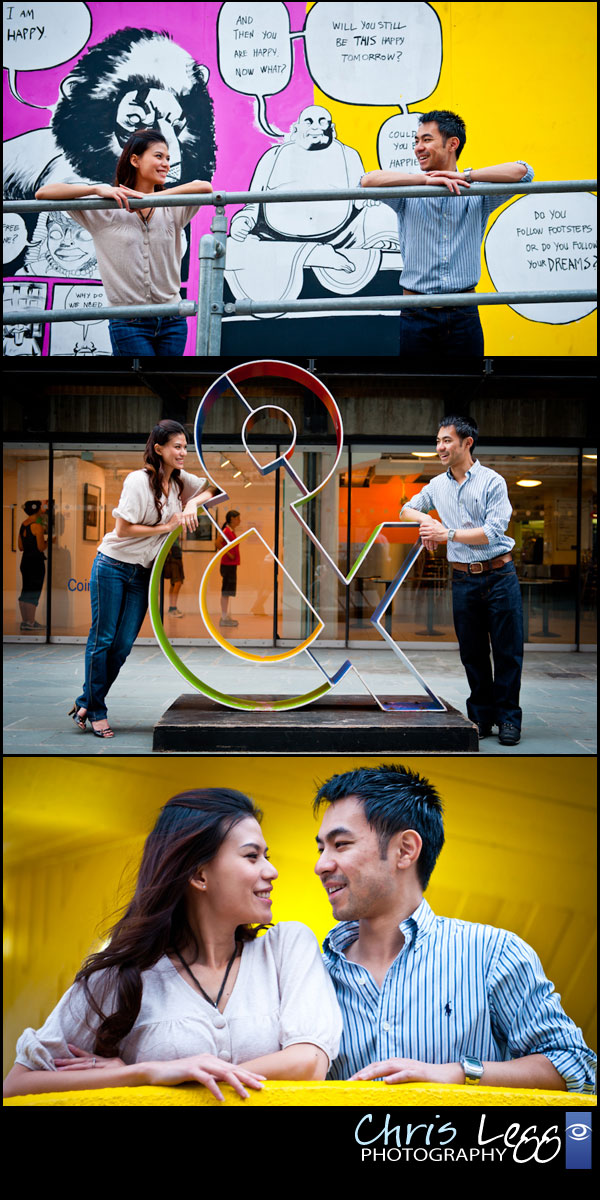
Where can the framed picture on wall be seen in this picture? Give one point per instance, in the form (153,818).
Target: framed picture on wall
(204,538)
(92,512)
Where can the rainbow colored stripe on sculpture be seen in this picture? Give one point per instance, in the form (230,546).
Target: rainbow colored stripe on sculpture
(231,381)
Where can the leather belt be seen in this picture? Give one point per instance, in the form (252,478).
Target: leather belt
(405,292)
(478,568)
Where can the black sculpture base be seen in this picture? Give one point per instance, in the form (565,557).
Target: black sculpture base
(344,725)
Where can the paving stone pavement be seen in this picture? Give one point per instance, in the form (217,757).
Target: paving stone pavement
(40,681)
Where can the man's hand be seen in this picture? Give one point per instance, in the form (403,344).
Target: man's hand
(432,533)
(409,1070)
(453,180)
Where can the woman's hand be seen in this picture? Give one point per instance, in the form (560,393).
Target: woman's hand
(83,1060)
(121,194)
(205,1069)
(178,519)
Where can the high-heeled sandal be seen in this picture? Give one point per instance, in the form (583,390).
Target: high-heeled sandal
(79,721)
(102,733)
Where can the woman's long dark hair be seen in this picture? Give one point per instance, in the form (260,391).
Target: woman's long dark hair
(189,831)
(155,467)
(125,174)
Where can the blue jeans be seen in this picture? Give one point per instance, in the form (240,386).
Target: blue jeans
(119,595)
(449,332)
(143,336)
(488,612)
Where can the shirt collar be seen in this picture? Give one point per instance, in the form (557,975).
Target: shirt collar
(416,927)
(472,471)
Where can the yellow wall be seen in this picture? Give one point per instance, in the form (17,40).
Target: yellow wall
(277,1094)
(523,78)
(520,853)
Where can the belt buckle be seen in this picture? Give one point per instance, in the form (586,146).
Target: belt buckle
(476,568)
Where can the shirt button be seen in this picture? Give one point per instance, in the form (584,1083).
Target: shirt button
(386,1026)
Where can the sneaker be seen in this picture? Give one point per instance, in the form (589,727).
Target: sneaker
(26,627)
(509,735)
(228,621)
(176,612)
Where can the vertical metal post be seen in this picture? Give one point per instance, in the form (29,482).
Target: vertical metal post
(219,231)
(206,256)
(578,578)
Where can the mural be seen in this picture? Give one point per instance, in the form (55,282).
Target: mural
(275,96)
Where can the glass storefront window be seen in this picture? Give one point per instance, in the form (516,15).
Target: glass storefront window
(370,487)
(542,488)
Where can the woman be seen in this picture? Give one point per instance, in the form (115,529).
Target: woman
(229,565)
(139,251)
(32,541)
(185,990)
(154,501)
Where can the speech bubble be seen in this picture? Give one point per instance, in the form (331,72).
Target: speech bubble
(374,54)
(14,236)
(395,143)
(255,52)
(38,36)
(82,295)
(545,243)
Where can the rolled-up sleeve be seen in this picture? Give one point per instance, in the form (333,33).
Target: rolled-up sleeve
(133,499)
(309,1010)
(422,502)
(498,509)
(68,1022)
(528,1017)
(192,486)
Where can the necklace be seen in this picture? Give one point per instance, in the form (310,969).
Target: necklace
(214,1003)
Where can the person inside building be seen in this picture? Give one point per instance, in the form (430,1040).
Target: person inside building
(32,542)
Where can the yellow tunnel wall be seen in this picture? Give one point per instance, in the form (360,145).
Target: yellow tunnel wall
(519,853)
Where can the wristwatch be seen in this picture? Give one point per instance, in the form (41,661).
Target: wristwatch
(468,174)
(472,1067)
(451,533)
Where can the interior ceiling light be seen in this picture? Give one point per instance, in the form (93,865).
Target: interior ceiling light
(248,484)
(225,462)
(424,453)
(594,456)
(236,474)
(528,482)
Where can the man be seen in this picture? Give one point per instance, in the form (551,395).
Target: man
(473,504)
(440,238)
(427,998)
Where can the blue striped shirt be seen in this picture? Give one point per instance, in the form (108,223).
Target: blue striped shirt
(455,988)
(480,501)
(440,238)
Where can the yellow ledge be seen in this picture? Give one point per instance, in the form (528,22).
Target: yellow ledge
(309,1095)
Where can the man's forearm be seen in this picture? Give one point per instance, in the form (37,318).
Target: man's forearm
(510,172)
(532,1071)
(471,537)
(393,179)
(413,514)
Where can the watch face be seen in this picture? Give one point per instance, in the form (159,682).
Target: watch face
(472,1067)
